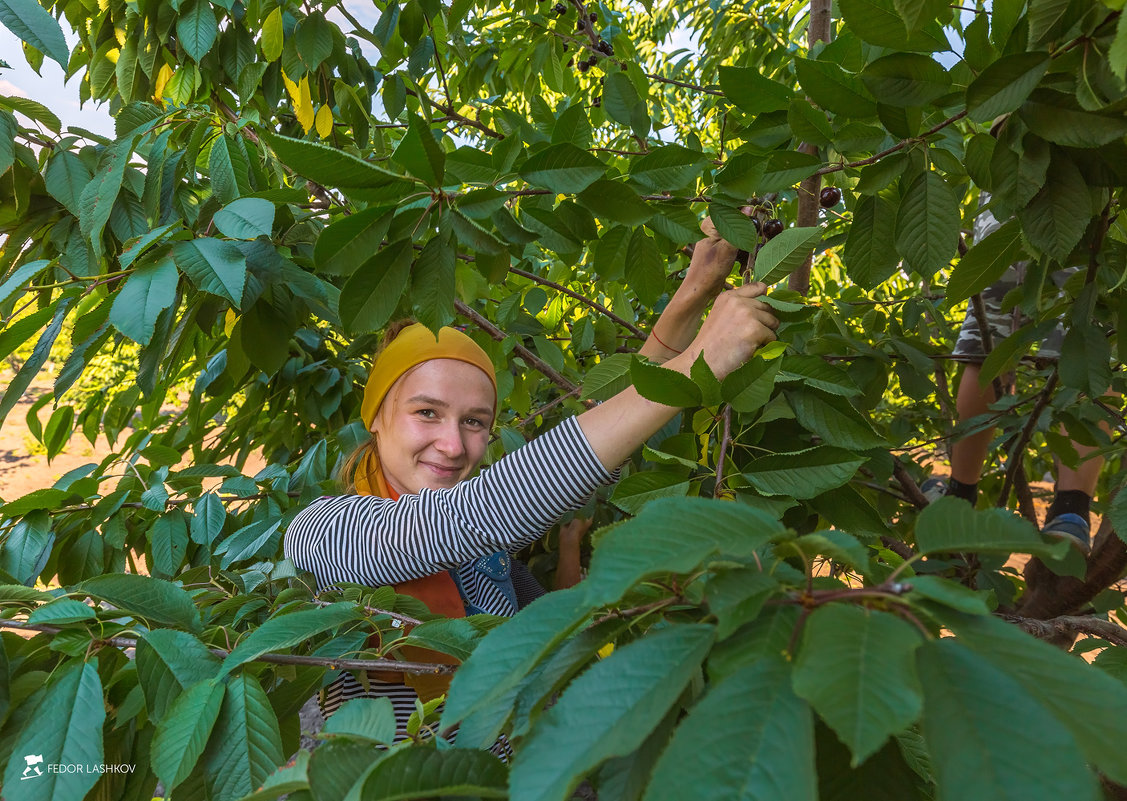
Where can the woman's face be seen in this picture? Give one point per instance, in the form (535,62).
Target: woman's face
(433,427)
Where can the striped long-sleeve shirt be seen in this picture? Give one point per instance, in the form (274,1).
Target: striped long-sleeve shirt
(376,541)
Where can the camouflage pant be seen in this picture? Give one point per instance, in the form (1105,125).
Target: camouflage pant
(1005,323)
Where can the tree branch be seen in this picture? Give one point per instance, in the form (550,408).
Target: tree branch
(1070,625)
(633,329)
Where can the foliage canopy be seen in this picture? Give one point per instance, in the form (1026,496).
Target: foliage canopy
(286,178)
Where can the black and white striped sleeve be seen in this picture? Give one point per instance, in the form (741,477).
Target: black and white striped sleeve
(375,541)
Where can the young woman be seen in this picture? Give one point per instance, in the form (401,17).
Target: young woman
(418,521)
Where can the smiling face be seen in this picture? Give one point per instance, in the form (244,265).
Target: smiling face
(432,429)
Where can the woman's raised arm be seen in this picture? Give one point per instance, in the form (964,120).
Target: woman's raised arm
(737,326)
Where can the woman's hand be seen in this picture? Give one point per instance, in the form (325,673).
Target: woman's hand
(710,267)
(734,330)
(712,261)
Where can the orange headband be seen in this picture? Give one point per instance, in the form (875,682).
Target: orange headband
(417,344)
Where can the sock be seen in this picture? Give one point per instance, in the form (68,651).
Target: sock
(1077,502)
(968,492)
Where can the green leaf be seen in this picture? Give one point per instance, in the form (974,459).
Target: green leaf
(984,263)
(432,282)
(183,732)
(369,298)
(168,662)
(917,13)
(99,195)
(65,178)
(802,474)
(878,23)
(143,596)
(857,669)
(1057,117)
(635,491)
(169,537)
(367,718)
(737,597)
(563,168)
(149,291)
(22,274)
(948,593)
(427,773)
(978,723)
(508,652)
(1085,360)
(214,266)
(608,377)
(455,636)
(245,746)
(906,79)
(734,226)
(834,89)
(1005,84)
(749,738)
(927,227)
(313,37)
(645,267)
(673,535)
(31,22)
(785,253)
(620,98)
(272,35)
(285,631)
(1055,220)
(1090,704)
(663,385)
(61,610)
(58,431)
(668,167)
(607,711)
(30,368)
(870,255)
(329,166)
(835,420)
(749,387)
(615,201)
(246,218)
(345,245)
(26,549)
(197,29)
(948,526)
(66,730)
(785,168)
(420,153)
(752,91)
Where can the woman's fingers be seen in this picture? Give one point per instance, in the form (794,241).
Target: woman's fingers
(708,229)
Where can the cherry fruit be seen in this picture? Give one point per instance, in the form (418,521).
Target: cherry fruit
(772,228)
(830,197)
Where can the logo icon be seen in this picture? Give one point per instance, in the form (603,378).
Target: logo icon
(33,762)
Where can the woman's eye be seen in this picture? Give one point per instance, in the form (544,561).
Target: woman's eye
(426,412)
(473,421)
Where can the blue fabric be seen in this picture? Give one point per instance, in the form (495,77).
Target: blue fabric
(497,567)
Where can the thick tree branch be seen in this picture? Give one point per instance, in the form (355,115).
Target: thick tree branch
(1071,625)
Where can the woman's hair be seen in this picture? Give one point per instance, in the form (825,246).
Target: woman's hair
(347,475)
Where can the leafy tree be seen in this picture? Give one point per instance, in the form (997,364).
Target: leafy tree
(285,179)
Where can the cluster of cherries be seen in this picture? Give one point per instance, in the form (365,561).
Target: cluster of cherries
(827,199)
(602,46)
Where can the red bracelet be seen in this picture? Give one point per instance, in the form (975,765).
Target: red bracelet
(653,333)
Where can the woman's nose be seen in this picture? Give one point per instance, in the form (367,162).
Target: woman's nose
(450,441)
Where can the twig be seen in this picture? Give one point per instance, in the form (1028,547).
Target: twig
(725,443)
(911,489)
(531,358)
(683,84)
(372,610)
(897,147)
(633,329)
(635,611)
(170,502)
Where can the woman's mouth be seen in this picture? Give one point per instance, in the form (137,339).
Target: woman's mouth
(444,472)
